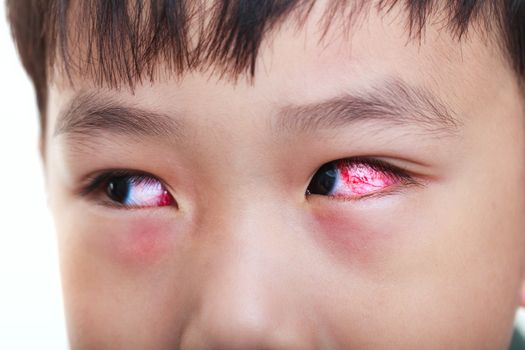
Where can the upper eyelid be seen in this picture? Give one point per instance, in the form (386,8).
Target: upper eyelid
(376,164)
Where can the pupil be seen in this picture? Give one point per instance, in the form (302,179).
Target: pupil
(118,189)
(324,180)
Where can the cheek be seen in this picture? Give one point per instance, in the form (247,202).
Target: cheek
(354,235)
(140,241)
(124,239)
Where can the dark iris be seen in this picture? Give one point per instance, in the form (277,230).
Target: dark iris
(118,188)
(324,180)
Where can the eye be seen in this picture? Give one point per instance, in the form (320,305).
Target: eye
(130,190)
(355,178)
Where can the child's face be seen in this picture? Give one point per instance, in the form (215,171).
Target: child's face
(233,243)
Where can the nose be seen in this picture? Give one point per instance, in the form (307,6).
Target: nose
(247,296)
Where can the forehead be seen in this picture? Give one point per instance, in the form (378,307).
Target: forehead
(126,43)
(310,62)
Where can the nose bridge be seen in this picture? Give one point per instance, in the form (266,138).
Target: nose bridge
(243,258)
(243,294)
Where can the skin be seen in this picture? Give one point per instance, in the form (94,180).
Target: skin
(246,260)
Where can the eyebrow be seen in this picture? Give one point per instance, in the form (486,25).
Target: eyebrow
(90,114)
(394,103)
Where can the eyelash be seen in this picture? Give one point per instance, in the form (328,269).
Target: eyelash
(396,172)
(98,183)
(398,175)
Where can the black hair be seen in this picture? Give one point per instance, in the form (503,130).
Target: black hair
(123,41)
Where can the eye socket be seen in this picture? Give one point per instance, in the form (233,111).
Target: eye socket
(355,178)
(127,189)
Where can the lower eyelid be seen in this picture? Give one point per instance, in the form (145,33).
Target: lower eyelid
(397,188)
(377,194)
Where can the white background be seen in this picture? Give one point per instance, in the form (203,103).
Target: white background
(31,314)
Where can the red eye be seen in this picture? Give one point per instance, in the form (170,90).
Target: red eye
(355,178)
(129,189)
(360,179)
(138,191)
